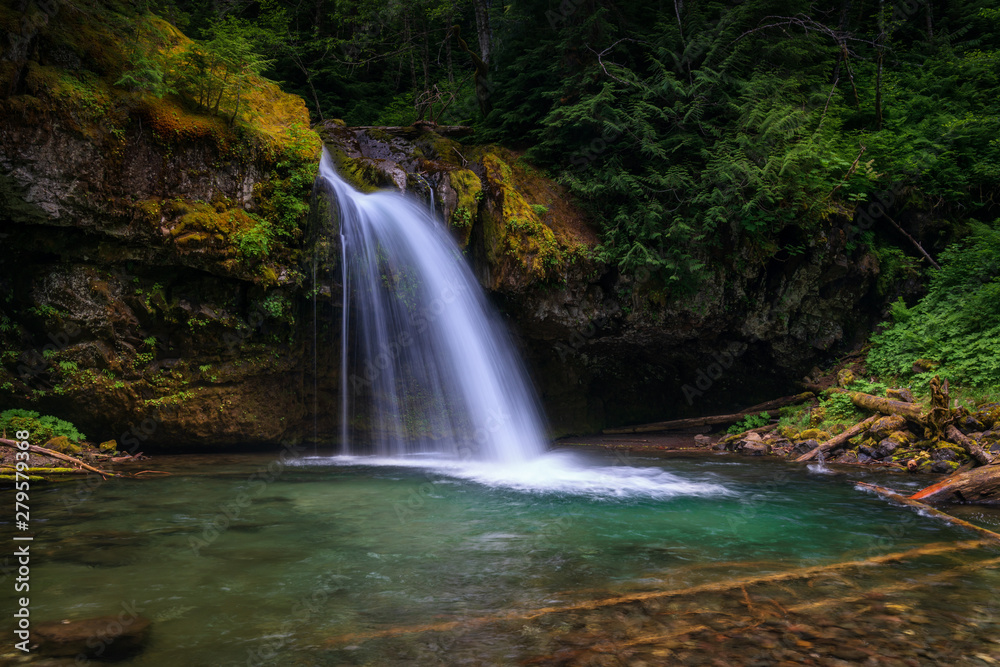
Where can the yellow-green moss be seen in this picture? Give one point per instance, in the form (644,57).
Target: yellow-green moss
(814,434)
(469,190)
(520,234)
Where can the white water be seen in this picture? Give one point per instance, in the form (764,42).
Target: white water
(430,377)
(431,367)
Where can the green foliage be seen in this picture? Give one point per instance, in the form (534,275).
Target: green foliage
(255,241)
(749,422)
(41,428)
(838,408)
(277,306)
(957,324)
(214,73)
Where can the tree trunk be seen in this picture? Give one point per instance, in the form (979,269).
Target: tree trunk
(679,424)
(447,51)
(483,28)
(930,21)
(837,441)
(913,501)
(980,485)
(880,58)
(886,406)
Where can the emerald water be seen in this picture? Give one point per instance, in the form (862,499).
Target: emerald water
(308,563)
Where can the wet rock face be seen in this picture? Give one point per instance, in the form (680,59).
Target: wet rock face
(136,303)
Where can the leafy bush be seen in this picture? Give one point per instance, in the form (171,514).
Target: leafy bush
(42,428)
(956,326)
(749,422)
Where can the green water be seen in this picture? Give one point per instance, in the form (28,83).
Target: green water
(237,565)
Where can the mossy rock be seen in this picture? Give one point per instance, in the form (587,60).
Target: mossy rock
(817,417)
(468,190)
(844,377)
(814,434)
(62,444)
(902,438)
(789,432)
(109,446)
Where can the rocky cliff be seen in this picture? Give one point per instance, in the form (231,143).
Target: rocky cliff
(153,254)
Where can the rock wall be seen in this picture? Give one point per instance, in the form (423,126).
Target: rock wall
(155,265)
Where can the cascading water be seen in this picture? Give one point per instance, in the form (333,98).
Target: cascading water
(433,362)
(429,376)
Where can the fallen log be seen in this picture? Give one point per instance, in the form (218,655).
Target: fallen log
(712,420)
(887,406)
(698,589)
(979,485)
(837,440)
(970,445)
(915,502)
(56,455)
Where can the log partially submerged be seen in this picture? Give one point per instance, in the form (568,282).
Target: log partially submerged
(914,501)
(979,485)
(56,455)
(837,440)
(712,420)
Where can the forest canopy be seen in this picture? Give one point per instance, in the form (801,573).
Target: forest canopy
(685,128)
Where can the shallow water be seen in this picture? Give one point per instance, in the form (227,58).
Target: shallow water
(321,563)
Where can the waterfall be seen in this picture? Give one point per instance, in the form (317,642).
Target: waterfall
(431,368)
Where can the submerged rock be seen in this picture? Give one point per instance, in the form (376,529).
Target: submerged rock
(106,637)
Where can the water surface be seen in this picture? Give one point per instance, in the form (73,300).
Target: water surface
(244,560)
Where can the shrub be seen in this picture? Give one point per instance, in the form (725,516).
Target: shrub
(42,428)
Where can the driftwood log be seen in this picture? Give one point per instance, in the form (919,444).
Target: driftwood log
(56,455)
(679,424)
(886,406)
(979,485)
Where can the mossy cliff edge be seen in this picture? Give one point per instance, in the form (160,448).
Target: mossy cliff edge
(155,253)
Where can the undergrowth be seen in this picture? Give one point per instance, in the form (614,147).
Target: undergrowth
(954,331)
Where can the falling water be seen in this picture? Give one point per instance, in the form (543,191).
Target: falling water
(429,376)
(433,369)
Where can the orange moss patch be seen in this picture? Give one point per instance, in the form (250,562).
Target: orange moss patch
(523,231)
(171,122)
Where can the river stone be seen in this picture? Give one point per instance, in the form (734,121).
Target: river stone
(944,454)
(106,637)
(884,449)
(970,424)
(702,440)
(755,448)
(804,447)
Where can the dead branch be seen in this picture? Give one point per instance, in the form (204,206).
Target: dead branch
(838,440)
